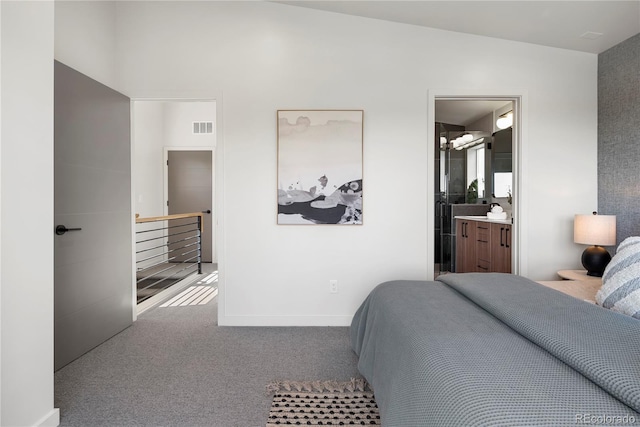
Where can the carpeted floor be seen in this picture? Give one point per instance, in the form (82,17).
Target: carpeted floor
(176,367)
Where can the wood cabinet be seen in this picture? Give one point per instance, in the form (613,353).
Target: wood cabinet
(501,248)
(465,246)
(482,246)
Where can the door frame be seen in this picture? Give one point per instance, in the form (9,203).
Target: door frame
(520,142)
(218,176)
(165,187)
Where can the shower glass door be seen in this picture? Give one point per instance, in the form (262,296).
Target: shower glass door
(443,209)
(446,194)
(451,187)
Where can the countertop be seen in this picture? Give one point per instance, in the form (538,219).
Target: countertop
(483,219)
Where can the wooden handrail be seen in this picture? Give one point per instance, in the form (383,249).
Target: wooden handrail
(174,216)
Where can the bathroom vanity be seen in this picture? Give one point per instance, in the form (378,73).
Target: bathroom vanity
(483,245)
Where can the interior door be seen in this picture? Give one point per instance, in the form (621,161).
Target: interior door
(92,201)
(190,190)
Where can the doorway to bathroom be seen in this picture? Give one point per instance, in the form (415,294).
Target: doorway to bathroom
(474,168)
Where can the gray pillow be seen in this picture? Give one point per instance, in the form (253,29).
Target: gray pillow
(620,289)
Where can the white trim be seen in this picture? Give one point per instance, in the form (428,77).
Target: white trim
(521,201)
(219,204)
(1,221)
(52,419)
(341,321)
(134,288)
(520,107)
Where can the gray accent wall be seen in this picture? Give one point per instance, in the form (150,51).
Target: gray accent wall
(619,135)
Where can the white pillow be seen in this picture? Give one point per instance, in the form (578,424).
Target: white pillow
(620,289)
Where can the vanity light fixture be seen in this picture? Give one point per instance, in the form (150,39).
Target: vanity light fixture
(462,140)
(505,120)
(471,143)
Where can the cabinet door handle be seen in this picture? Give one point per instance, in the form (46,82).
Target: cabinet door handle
(506,240)
(501,230)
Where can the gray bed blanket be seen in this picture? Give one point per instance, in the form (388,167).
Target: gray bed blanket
(495,349)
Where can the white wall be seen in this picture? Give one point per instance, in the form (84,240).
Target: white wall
(27,215)
(148,140)
(85,38)
(266,56)
(178,118)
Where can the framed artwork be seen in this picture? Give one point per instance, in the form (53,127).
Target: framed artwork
(320,166)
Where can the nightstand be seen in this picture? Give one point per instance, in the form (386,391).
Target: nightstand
(577,284)
(577,275)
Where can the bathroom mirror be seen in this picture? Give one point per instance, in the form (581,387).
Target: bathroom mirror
(501,164)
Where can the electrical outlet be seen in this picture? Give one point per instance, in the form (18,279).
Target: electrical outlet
(333,286)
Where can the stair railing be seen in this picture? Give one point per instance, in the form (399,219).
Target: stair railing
(168,249)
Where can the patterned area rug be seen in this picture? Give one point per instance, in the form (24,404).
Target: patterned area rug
(322,403)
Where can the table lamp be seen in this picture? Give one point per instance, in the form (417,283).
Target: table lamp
(597,231)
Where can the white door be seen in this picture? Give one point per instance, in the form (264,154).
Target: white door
(92,190)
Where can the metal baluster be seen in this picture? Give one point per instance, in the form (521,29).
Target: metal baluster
(199,244)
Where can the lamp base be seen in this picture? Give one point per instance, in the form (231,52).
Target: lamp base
(595,260)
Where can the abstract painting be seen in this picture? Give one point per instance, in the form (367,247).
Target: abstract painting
(320,166)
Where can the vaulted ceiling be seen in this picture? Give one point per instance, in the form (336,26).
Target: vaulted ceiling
(587,26)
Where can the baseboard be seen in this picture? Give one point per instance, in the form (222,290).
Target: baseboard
(52,419)
(343,320)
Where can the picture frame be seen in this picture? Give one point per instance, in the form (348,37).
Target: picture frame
(320,167)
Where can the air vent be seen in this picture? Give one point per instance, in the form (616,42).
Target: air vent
(202,127)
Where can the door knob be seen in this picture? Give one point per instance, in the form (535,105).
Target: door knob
(208,211)
(61,229)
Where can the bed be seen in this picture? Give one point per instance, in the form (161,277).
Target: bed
(490,349)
